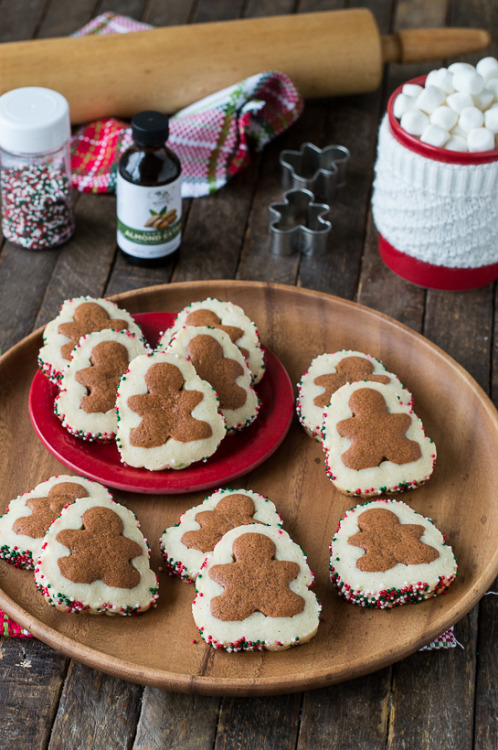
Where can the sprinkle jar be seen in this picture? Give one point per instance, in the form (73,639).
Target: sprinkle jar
(435,210)
(35,186)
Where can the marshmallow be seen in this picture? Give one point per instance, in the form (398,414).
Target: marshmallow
(430,99)
(414,122)
(435,136)
(445,117)
(459,100)
(458,66)
(441,79)
(412,89)
(488,67)
(491,120)
(468,81)
(480,139)
(470,118)
(484,99)
(456,143)
(403,103)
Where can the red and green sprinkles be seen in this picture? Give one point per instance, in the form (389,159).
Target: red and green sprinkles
(36,206)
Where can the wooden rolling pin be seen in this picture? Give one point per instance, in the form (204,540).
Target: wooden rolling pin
(325,54)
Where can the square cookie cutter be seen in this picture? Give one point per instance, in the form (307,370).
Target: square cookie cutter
(297,224)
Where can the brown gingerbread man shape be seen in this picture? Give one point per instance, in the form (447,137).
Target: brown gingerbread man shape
(88,317)
(232,510)
(206,354)
(99,551)
(348,370)
(109,361)
(388,542)
(46,509)
(376,435)
(255,582)
(205,317)
(166,409)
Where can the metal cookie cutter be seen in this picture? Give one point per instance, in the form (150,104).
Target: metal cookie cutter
(297,226)
(315,169)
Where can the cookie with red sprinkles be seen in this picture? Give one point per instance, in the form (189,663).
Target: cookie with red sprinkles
(327,373)
(374,443)
(95,559)
(28,516)
(220,362)
(185,545)
(253,592)
(384,554)
(77,317)
(227,317)
(168,417)
(86,402)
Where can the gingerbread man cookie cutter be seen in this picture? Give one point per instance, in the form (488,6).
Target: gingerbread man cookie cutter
(297,224)
(321,171)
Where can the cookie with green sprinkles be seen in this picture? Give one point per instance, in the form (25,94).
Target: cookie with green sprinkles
(220,362)
(253,592)
(231,319)
(86,402)
(168,417)
(327,373)
(28,516)
(374,443)
(384,554)
(185,545)
(77,317)
(95,559)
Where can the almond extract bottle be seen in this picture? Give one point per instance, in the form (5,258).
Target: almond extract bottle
(148,191)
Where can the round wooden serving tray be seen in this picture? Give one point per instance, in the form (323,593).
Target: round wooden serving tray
(162,647)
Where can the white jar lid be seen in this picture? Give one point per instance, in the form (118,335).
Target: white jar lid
(33,120)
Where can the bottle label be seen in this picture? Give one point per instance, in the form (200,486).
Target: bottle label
(149,218)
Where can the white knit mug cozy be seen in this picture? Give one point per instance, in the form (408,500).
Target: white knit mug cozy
(435,210)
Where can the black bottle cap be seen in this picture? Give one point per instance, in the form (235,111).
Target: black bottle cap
(150,128)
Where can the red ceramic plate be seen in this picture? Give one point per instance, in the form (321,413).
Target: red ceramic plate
(237,455)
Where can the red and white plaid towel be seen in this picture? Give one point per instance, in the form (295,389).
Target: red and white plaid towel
(210,137)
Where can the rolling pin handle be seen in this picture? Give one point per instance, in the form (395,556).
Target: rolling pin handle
(421,45)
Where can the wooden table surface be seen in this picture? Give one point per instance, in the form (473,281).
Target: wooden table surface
(440,699)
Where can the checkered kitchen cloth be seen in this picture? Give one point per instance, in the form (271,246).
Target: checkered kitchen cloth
(211,137)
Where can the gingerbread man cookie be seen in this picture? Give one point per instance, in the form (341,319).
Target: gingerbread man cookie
(229,318)
(384,554)
(185,545)
(253,592)
(86,403)
(77,317)
(168,417)
(218,361)
(327,373)
(95,559)
(374,443)
(29,516)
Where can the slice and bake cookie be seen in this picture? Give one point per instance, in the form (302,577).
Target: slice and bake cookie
(220,362)
(77,317)
(384,554)
(28,517)
(185,545)
(168,416)
(229,318)
(94,558)
(86,403)
(253,594)
(330,371)
(374,443)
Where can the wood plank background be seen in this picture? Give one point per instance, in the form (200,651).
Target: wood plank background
(444,699)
